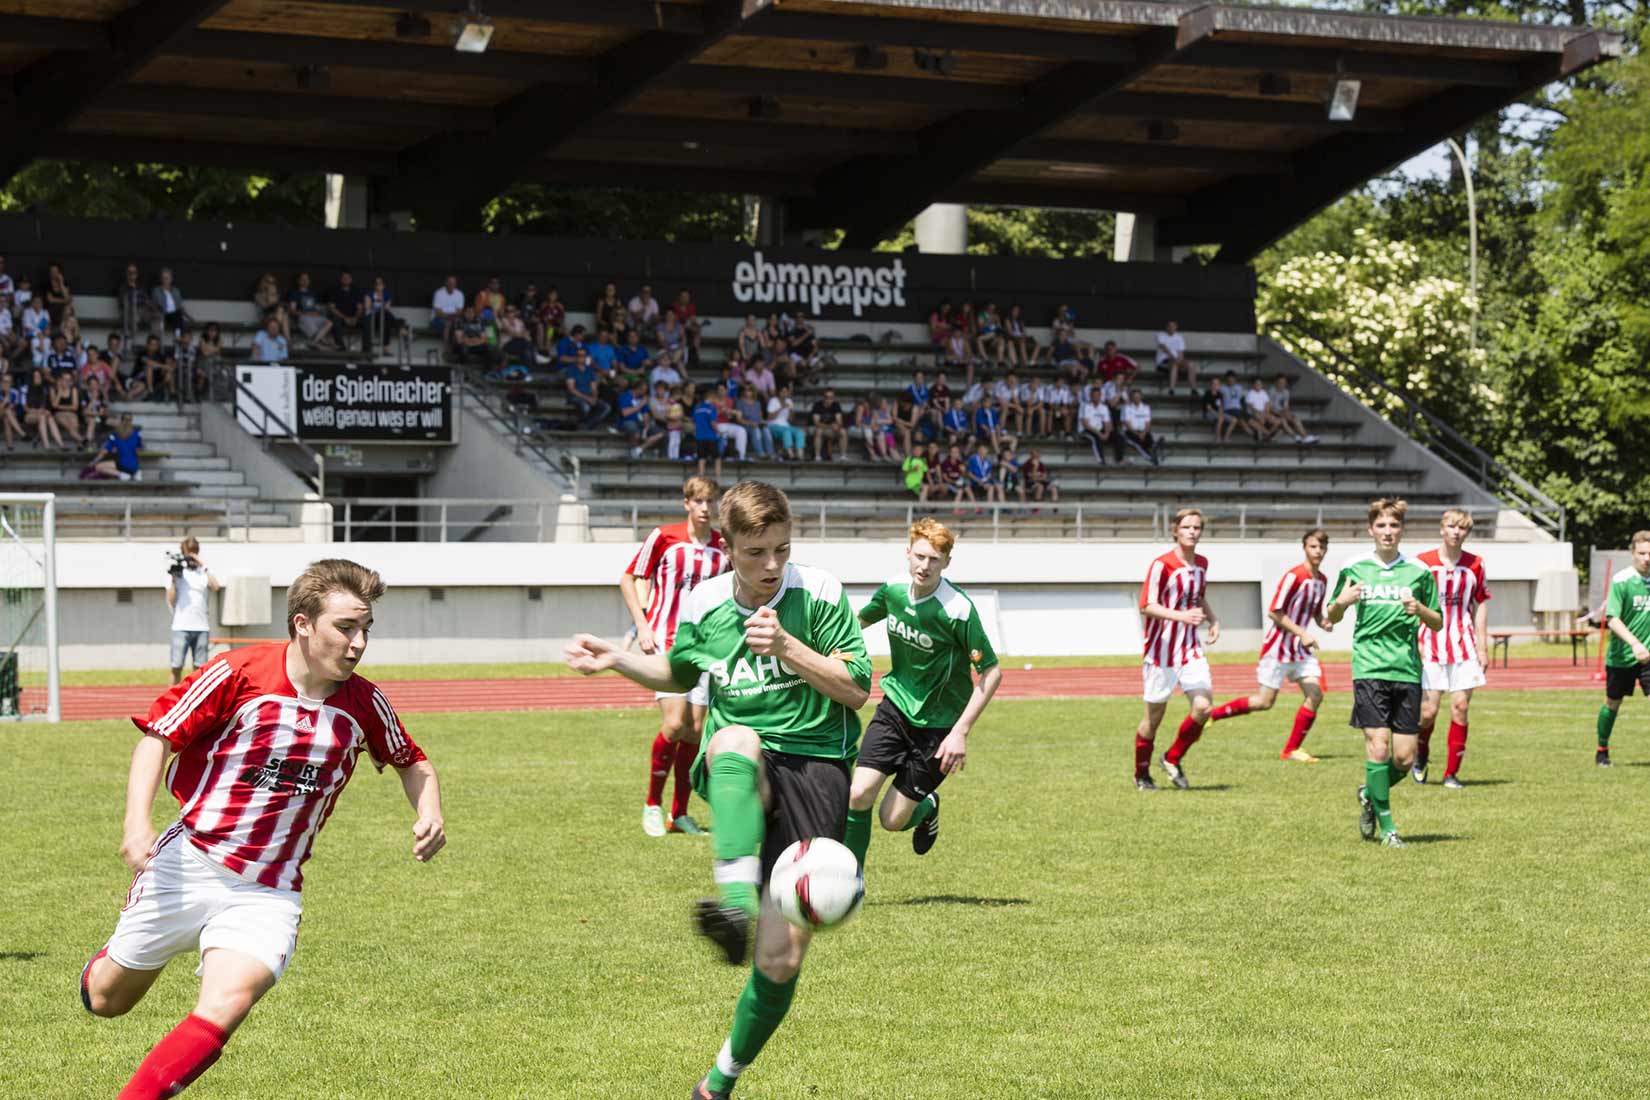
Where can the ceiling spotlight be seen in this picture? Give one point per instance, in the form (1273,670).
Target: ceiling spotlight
(1274,84)
(1159,130)
(1343,99)
(314,78)
(475,30)
(690,146)
(411,25)
(941,64)
(763,107)
(870,58)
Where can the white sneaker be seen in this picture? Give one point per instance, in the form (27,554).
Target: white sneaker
(653,820)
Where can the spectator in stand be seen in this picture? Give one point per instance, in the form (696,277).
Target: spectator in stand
(865,431)
(1066,358)
(549,320)
(167,300)
(914,472)
(95,409)
(1059,407)
(570,350)
(939,330)
(446,310)
(382,326)
(1094,423)
(644,311)
(269,346)
(9,344)
(65,406)
(37,410)
(529,301)
(1259,404)
(749,411)
(989,343)
(1209,403)
(988,425)
(805,351)
(750,342)
(305,312)
(211,346)
(882,423)
(1022,349)
(13,408)
(159,370)
(954,475)
(940,399)
(957,355)
(185,356)
(490,302)
(789,437)
(1284,410)
(1014,401)
(829,427)
(95,369)
(470,340)
(1008,477)
(1234,413)
(672,336)
(582,380)
(728,428)
(346,306)
(37,330)
(610,311)
(266,297)
(603,354)
(1114,366)
(1063,323)
(919,393)
(907,421)
(120,359)
(58,295)
(956,426)
(1039,483)
(632,357)
(1137,428)
(982,475)
(707,443)
(59,359)
(687,311)
(760,376)
(70,328)
(6,286)
(633,414)
(515,343)
(1171,356)
(119,457)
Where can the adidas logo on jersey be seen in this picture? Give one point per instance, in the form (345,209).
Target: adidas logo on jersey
(304,724)
(1385,593)
(910,634)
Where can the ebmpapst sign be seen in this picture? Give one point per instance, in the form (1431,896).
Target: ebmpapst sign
(823,290)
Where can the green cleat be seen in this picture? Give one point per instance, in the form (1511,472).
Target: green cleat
(687,826)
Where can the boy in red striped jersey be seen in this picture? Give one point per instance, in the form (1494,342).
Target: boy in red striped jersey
(671,563)
(266,737)
(1290,651)
(1174,603)
(1451,658)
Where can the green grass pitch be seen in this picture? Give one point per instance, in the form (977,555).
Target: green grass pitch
(1068,937)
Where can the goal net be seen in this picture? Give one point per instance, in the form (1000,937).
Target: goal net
(29,674)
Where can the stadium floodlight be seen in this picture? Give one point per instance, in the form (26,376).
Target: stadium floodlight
(1343,99)
(475,31)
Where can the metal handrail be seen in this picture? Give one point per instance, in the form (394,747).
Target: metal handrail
(269,419)
(1437,435)
(492,396)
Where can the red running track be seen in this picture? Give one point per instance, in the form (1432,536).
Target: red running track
(575,693)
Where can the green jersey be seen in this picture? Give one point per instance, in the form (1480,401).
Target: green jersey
(934,641)
(788,714)
(1629,601)
(1383,641)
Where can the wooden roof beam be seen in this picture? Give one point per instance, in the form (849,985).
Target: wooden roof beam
(782,84)
(295,106)
(949,35)
(638,15)
(1211,108)
(1130,154)
(298,159)
(1357,64)
(353,53)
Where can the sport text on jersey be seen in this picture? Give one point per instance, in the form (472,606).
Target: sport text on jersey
(753,676)
(287,776)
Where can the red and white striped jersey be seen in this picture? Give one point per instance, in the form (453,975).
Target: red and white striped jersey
(1461,588)
(1177,586)
(675,565)
(258,769)
(1299,596)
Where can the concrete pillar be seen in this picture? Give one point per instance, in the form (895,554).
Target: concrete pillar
(943,229)
(347,202)
(1136,238)
(770,221)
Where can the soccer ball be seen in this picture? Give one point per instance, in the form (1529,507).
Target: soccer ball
(816,884)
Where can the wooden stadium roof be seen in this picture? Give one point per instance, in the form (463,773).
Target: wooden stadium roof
(858,112)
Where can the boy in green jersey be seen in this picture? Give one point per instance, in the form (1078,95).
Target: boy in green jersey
(1627,613)
(1395,595)
(919,734)
(788,672)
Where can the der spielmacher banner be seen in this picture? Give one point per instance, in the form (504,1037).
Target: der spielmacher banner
(367,404)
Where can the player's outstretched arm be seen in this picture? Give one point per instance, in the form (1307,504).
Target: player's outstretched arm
(589,655)
(424,794)
(832,676)
(142,782)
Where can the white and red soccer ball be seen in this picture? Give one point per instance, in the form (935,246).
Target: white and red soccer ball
(816,884)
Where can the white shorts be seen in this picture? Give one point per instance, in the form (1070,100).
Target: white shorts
(1271,672)
(1455,676)
(1159,680)
(184,902)
(699,696)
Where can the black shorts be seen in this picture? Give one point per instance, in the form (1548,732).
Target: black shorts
(810,799)
(1618,682)
(1386,704)
(704,449)
(893,746)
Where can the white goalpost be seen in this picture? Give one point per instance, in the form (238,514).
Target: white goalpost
(30,678)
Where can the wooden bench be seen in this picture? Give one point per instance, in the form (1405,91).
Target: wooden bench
(1502,640)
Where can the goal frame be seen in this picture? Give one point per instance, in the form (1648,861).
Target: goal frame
(48,544)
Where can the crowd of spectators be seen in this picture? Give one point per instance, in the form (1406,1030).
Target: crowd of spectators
(343,318)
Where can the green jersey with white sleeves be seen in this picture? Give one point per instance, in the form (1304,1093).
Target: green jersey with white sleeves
(788,714)
(934,640)
(1629,601)
(1383,641)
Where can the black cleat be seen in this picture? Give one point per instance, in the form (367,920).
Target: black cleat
(727,926)
(1366,815)
(924,835)
(1144,783)
(703,1091)
(1602,758)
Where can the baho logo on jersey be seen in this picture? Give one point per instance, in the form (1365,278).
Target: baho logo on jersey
(1385,593)
(818,286)
(753,676)
(910,635)
(1640,602)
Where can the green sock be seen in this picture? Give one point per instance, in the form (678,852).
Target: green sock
(1378,785)
(925,810)
(737,804)
(761,1006)
(1394,773)
(1606,723)
(858,834)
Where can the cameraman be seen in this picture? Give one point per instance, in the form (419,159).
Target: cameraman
(186,587)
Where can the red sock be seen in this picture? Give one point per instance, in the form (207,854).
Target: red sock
(1457,746)
(664,752)
(1230,710)
(1303,722)
(187,1052)
(1190,730)
(1425,740)
(1142,758)
(685,755)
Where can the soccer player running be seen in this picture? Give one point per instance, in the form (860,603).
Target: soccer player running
(1627,614)
(1174,603)
(265,739)
(919,733)
(788,672)
(671,563)
(1290,651)
(1395,596)
(1451,658)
